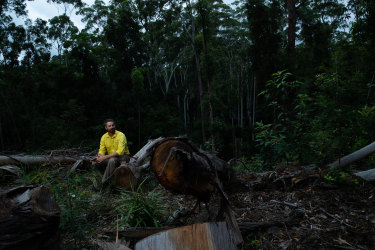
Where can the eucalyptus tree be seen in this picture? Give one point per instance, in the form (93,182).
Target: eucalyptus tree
(240,93)
(319,22)
(37,46)
(61,31)
(11,35)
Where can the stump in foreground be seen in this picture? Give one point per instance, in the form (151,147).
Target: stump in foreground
(210,236)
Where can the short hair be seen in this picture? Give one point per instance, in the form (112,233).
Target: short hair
(108,120)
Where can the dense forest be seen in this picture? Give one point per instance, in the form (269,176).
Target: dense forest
(268,81)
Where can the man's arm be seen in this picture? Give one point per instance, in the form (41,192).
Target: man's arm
(101,157)
(102,150)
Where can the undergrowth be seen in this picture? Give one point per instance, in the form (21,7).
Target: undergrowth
(86,213)
(141,209)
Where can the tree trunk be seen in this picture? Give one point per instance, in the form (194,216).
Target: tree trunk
(292,35)
(29,218)
(209,236)
(353,157)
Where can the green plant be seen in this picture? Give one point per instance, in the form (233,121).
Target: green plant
(335,176)
(275,140)
(77,207)
(252,242)
(141,209)
(255,164)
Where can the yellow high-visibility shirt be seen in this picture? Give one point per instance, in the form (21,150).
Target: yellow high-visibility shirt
(116,143)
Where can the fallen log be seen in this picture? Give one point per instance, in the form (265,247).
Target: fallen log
(212,236)
(353,157)
(38,159)
(368,175)
(29,218)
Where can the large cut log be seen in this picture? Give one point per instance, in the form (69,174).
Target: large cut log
(353,157)
(126,176)
(180,173)
(37,159)
(210,236)
(29,218)
(183,168)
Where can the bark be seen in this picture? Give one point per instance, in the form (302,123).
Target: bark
(197,236)
(353,157)
(29,218)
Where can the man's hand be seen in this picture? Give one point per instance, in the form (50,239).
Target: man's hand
(99,158)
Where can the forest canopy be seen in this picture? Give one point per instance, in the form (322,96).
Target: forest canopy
(272,81)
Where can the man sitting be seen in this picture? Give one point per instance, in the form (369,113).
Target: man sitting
(113,149)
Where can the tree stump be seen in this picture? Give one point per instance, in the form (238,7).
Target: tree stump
(124,178)
(29,218)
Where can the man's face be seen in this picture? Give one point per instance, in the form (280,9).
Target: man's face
(110,127)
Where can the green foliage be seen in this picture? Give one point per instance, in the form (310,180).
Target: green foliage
(39,175)
(334,176)
(140,209)
(251,241)
(276,140)
(255,164)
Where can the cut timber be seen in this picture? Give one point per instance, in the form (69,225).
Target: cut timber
(124,178)
(180,175)
(210,236)
(29,218)
(183,168)
(368,175)
(353,157)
